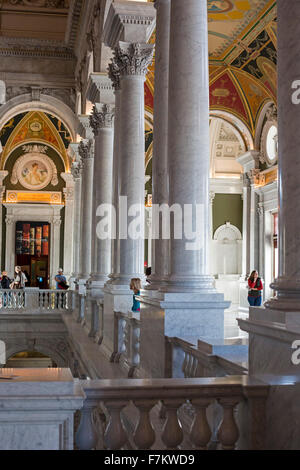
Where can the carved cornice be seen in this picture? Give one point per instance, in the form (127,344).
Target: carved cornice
(49,4)
(30,47)
(133,58)
(128,20)
(101,117)
(100,89)
(73,22)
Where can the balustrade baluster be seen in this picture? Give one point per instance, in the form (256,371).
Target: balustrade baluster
(200,432)
(172,434)
(115,436)
(228,433)
(144,434)
(185,363)
(86,436)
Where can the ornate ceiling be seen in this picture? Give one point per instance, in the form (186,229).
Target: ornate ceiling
(242,57)
(242,46)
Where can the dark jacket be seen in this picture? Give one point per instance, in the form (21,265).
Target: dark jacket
(5,282)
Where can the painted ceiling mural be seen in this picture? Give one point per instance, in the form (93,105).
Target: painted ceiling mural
(38,127)
(242,58)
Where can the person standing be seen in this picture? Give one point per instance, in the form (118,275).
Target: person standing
(255,287)
(135,286)
(61,280)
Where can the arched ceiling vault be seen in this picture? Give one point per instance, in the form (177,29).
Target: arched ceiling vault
(242,58)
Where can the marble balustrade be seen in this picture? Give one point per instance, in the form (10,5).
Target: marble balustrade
(116,395)
(128,355)
(35,301)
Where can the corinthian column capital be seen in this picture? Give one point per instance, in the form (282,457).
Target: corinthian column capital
(133,58)
(85,149)
(101,117)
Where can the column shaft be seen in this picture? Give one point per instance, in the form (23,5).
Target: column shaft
(101,121)
(86,153)
(188,144)
(160,186)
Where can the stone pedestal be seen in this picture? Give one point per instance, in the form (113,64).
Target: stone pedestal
(37,409)
(176,315)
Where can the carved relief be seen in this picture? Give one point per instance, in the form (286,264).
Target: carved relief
(34,171)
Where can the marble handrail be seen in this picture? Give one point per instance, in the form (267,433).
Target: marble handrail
(144,394)
(35,301)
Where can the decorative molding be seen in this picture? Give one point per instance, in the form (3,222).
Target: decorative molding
(34,158)
(100,89)
(31,47)
(114,74)
(101,117)
(73,22)
(129,19)
(227,232)
(50,4)
(133,58)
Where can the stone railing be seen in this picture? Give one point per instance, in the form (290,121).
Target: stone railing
(137,400)
(35,300)
(54,300)
(12,299)
(128,354)
(190,362)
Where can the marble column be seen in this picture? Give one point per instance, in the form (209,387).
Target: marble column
(114,75)
(76,172)
(132,60)
(3,175)
(160,186)
(86,152)
(188,143)
(69,218)
(101,121)
(287,285)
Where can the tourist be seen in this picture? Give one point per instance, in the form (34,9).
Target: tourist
(61,281)
(255,287)
(20,279)
(135,286)
(5,281)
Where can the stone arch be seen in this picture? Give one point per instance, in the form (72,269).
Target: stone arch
(227,232)
(12,348)
(47,104)
(260,122)
(239,127)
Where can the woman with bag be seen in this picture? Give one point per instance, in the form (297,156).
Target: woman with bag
(255,287)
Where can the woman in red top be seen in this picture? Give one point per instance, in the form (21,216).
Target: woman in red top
(255,289)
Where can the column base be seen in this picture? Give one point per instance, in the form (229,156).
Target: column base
(197,284)
(184,315)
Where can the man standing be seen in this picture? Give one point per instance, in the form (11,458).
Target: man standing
(60,279)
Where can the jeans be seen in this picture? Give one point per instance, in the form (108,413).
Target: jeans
(254,301)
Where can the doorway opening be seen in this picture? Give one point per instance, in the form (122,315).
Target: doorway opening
(32,252)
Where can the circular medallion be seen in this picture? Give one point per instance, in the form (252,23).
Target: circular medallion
(35,126)
(219,6)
